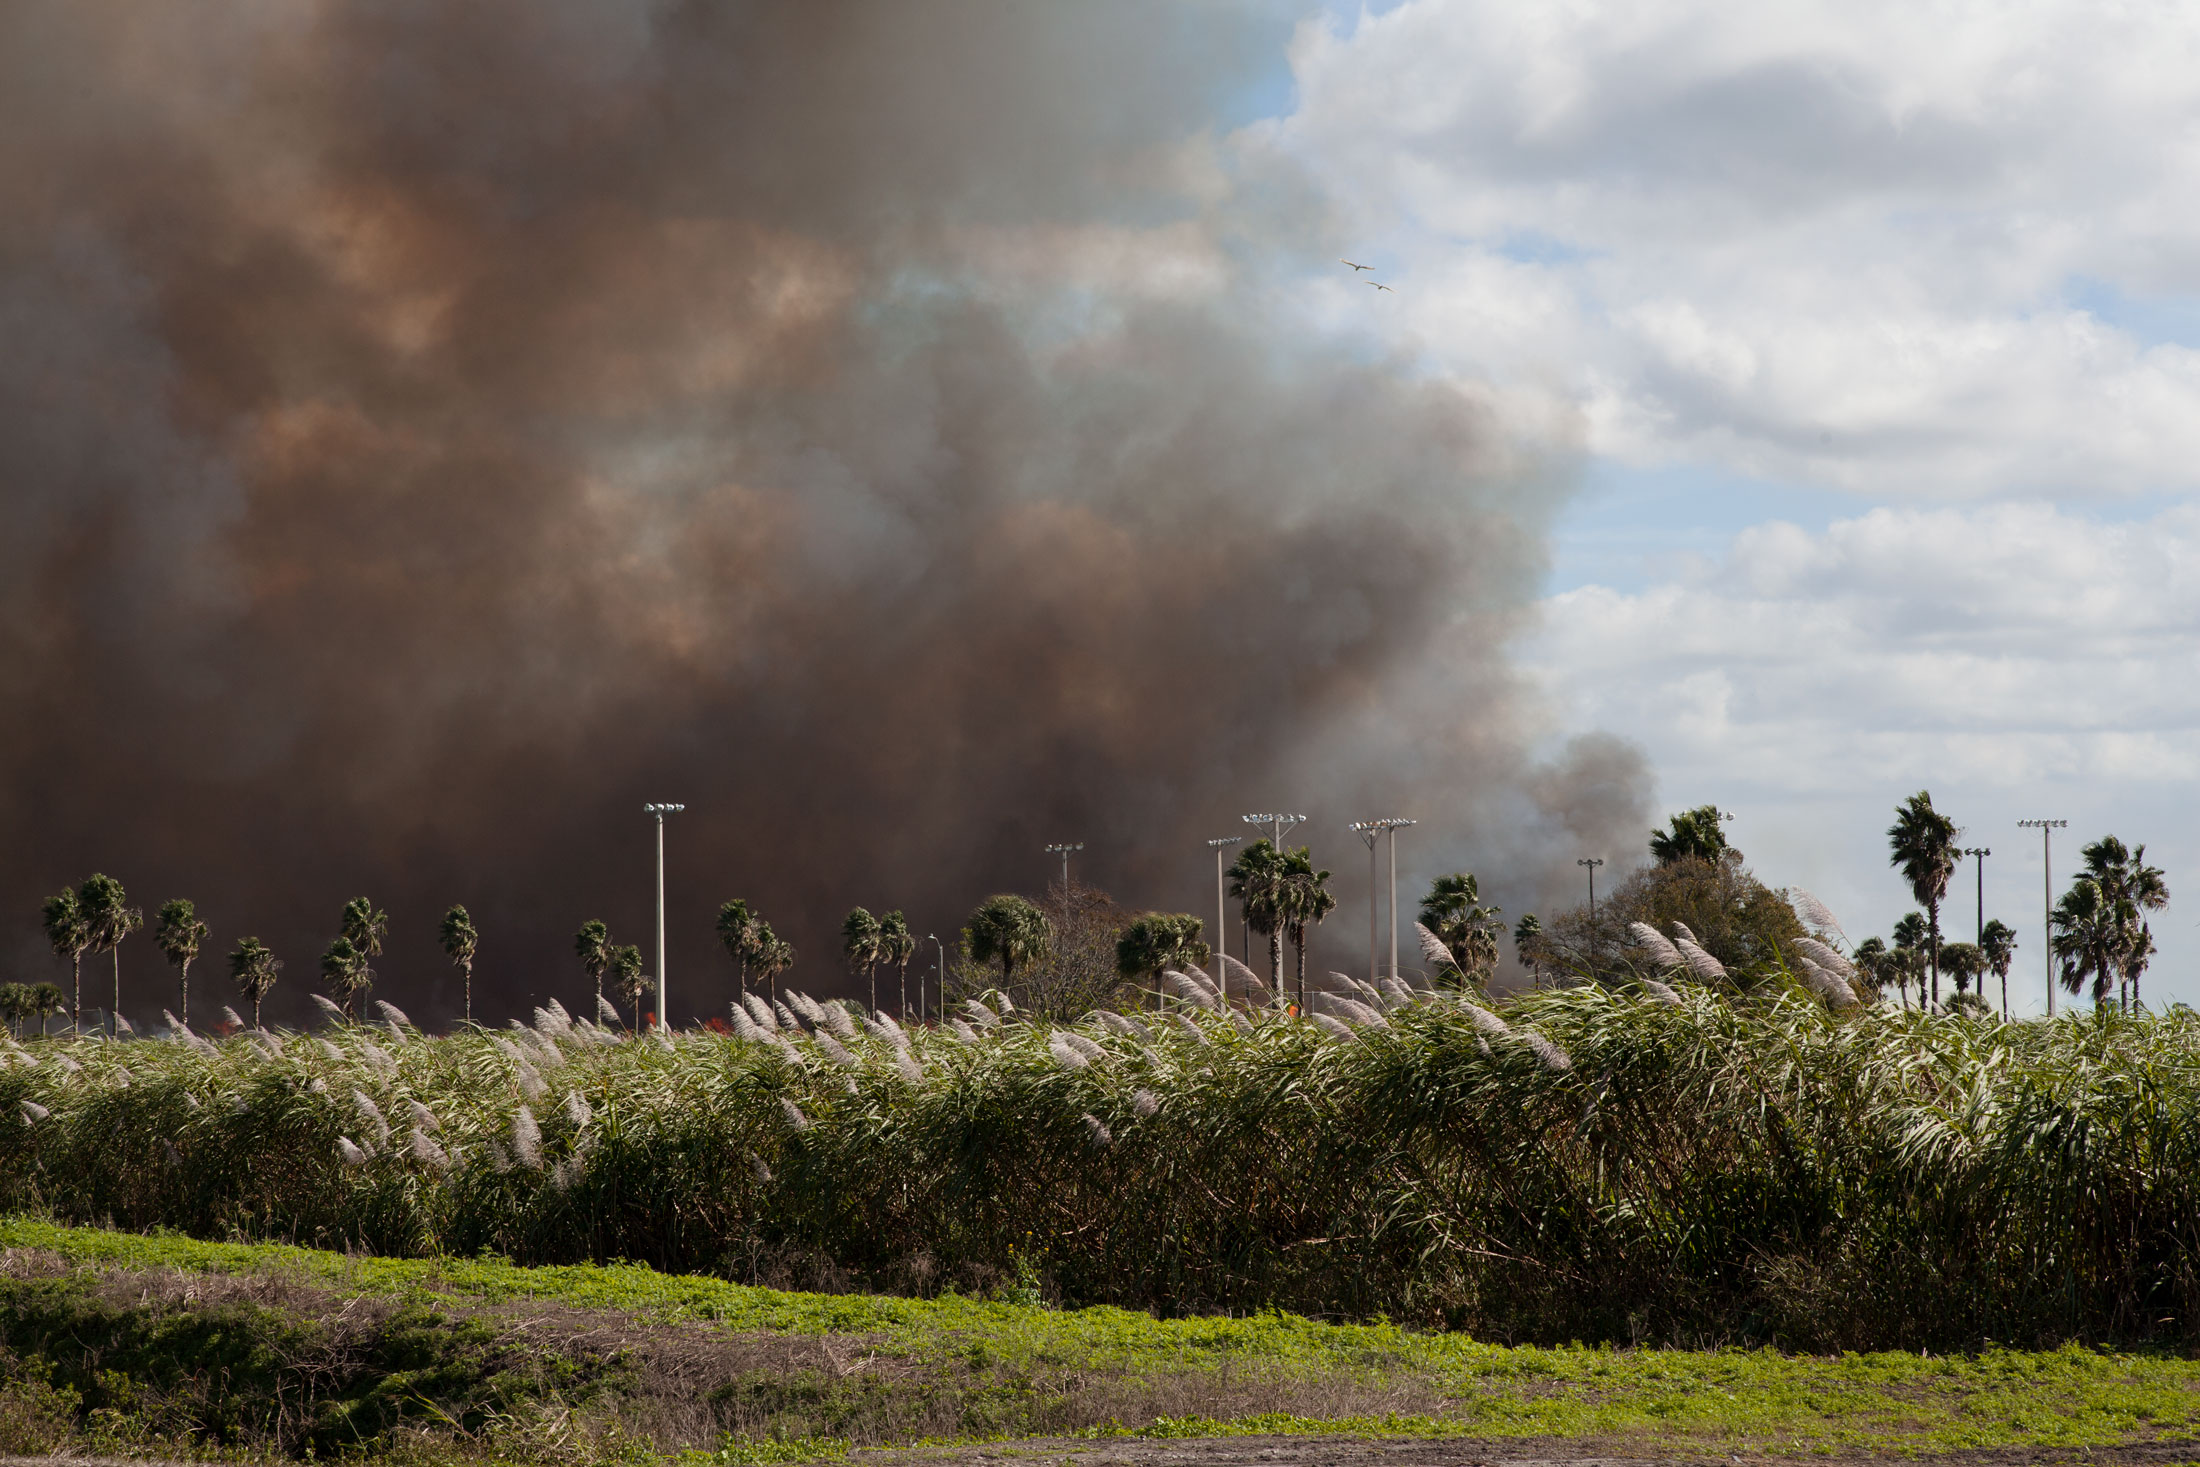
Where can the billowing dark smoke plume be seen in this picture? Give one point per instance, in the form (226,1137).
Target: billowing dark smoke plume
(430,431)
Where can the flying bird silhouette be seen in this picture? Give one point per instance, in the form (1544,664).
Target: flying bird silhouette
(1356,267)
(1380,286)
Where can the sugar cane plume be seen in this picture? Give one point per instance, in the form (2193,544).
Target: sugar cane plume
(398,398)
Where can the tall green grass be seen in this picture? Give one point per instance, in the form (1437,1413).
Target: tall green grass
(1592,1166)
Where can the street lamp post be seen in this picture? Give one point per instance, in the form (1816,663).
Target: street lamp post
(2047,900)
(1592,862)
(1370,831)
(664,1017)
(1222,913)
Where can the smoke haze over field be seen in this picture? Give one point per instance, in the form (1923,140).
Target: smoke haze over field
(429,432)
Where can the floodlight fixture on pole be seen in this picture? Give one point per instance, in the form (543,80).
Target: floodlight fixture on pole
(1592,862)
(660,812)
(1222,913)
(939,994)
(2046,828)
(1277,824)
(1064,853)
(1979,855)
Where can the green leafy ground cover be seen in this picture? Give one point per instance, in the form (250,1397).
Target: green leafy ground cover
(954,1367)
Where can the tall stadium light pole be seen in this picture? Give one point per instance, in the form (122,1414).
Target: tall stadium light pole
(2047,900)
(1370,832)
(664,1015)
(1592,862)
(1222,913)
(1064,853)
(1978,854)
(1394,825)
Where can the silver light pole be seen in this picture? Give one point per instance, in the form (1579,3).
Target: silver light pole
(1222,914)
(1394,825)
(2047,900)
(1369,832)
(1064,853)
(664,1017)
(1277,824)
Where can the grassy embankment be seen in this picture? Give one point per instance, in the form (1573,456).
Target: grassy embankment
(1701,1168)
(165,1345)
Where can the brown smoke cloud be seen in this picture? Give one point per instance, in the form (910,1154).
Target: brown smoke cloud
(428,432)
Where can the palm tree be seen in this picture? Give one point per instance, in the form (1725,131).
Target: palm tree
(1998,941)
(897,945)
(592,945)
(45,1003)
(63,916)
(15,1006)
(628,980)
(1692,835)
(178,933)
(460,939)
(2083,934)
(108,918)
(2132,888)
(1159,941)
(1923,845)
(1303,900)
(365,927)
(737,932)
(1963,961)
(1876,965)
(1528,946)
(1468,930)
(1909,936)
(344,968)
(773,956)
(253,969)
(859,943)
(1254,879)
(1009,930)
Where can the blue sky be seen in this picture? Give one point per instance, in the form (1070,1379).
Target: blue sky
(1875,332)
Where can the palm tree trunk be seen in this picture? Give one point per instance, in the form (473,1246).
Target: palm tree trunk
(255,1011)
(76,990)
(1275,959)
(1298,941)
(183,982)
(904,989)
(468,970)
(114,1015)
(1932,921)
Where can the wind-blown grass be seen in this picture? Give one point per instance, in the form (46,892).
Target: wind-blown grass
(1594,1165)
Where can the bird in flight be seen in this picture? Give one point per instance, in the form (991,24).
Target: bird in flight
(1356,267)
(1380,286)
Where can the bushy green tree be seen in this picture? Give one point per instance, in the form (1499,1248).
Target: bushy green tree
(15,1005)
(1158,941)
